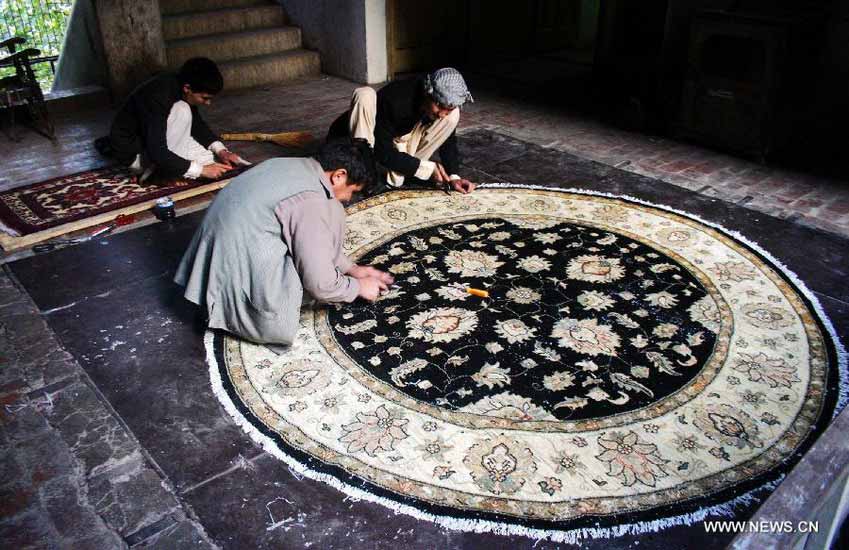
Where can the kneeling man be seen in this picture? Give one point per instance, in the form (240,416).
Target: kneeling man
(159,127)
(273,232)
(406,122)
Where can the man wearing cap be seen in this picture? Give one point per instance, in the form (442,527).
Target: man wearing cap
(406,122)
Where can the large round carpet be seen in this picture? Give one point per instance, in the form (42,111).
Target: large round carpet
(632,367)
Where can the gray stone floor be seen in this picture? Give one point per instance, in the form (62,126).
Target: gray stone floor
(73,475)
(109,433)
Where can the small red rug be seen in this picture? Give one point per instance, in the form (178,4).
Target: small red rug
(39,206)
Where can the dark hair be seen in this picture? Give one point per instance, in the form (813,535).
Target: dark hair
(202,75)
(354,155)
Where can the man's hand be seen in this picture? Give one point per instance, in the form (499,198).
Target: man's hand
(463,186)
(214,170)
(370,288)
(363,271)
(228,157)
(439,174)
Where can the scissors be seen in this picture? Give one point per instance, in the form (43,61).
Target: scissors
(61,243)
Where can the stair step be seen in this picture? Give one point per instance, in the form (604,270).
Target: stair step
(222,21)
(267,69)
(234,45)
(171,7)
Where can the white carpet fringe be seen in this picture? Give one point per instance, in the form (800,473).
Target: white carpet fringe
(572,536)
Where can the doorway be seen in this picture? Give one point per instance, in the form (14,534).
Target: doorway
(534,43)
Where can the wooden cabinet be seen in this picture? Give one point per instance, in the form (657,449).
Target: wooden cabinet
(733,80)
(749,79)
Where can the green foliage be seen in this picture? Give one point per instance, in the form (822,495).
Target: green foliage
(42,23)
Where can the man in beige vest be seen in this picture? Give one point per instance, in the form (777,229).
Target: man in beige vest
(274,232)
(407,122)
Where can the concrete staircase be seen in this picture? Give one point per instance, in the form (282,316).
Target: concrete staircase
(249,39)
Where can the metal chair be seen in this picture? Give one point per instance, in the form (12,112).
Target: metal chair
(23,90)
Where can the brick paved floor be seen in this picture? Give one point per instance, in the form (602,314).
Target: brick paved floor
(312,104)
(819,202)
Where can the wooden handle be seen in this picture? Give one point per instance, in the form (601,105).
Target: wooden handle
(285,139)
(250,136)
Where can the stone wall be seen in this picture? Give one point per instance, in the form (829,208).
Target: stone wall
(132,41)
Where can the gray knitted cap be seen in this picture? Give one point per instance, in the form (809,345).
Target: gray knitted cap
(447,87)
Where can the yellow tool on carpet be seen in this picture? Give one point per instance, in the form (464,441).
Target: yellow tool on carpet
(477,292)
(285,139)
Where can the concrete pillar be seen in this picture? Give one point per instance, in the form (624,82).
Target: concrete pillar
(350,35)
(377,62)
(132,41)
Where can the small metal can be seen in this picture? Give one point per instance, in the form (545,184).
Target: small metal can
(164,209)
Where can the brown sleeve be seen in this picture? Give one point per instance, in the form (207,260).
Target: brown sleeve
(313,232)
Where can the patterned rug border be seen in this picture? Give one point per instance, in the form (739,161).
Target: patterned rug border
(12,224)
(17,227)
(719,505)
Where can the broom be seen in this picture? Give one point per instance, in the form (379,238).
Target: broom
(285,139)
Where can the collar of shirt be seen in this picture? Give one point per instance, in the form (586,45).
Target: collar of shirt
(325,182)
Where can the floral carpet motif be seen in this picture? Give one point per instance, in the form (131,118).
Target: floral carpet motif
(630,365)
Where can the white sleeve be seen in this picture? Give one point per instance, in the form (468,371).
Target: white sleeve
(425,171)
(194,171)
(216,147)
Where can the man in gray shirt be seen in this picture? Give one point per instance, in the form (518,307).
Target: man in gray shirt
(273,232)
